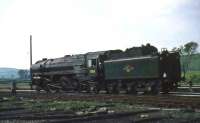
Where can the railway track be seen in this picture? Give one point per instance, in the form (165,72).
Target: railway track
(146,116)
(20,114)
(171,100)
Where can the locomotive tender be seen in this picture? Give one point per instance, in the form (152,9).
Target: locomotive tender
(95,71)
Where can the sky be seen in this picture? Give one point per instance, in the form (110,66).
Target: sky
(60,27)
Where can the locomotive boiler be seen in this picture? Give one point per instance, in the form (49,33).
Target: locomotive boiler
(96,71)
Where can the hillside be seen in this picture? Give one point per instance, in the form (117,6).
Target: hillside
(9,73)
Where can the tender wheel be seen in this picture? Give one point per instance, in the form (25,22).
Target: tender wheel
(88,88)
(165,91)
(115,88)
(109,88)
(133,89)
(79,87)
(155,89)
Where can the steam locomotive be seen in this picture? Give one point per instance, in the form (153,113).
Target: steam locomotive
(96,71)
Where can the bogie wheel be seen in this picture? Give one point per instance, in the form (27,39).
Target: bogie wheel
(109,88)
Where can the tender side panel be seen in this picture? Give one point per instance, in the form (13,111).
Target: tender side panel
(132,68)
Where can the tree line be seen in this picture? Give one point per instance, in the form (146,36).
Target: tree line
(187,51)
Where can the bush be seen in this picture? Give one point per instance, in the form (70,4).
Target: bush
(193,76)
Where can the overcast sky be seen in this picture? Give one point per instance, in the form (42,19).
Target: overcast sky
(61,27)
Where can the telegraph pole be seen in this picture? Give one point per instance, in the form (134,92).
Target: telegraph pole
(30,50)
(31,61)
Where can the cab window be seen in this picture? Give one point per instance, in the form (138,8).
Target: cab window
(91,62)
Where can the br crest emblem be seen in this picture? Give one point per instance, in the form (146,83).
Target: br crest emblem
(128,68)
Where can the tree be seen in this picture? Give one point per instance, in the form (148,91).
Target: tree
(190,48)
(187,52)
(180,50)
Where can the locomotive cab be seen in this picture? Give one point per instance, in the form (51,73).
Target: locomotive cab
(93,63)
(92,67)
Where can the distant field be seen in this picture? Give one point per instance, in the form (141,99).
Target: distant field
(20,85)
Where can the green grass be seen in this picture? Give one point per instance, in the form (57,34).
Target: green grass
(62,105)
(91,107)
(71,106)
(193,76)
(76,106)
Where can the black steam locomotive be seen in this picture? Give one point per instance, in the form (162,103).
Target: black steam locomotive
(111,72)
